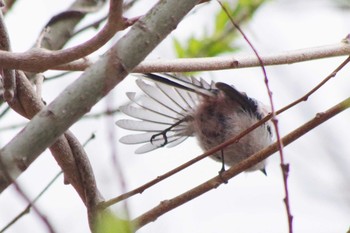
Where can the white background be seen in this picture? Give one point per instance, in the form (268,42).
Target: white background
(319,162)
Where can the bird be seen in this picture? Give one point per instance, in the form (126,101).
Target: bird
(174,107)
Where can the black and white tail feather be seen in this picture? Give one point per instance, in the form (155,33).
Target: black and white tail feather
(164,112)
(177,107)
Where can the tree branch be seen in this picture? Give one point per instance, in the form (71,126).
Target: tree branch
(64,23)
(94,83)
(227,62)
(170,204)
(86,175)
(38,60)
(8,75)
(244,61)
(274,120)
(27,103)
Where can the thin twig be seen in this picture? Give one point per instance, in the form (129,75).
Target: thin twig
(207,153)
(23,195)
(313,90)
(60,75)
(108,112)
(170,204)
(29,206)
(284,167)
(86,117)
(112,138)
(6,110)
(94,24)
(92,137)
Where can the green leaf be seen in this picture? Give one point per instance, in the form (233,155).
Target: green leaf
(110,223)
(220,21)
(180,51)
(194,46)
(222,36)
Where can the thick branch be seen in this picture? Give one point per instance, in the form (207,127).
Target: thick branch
(28,103)
(94,83)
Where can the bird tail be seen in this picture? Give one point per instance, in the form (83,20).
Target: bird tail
(164,112)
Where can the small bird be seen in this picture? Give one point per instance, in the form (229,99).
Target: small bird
(175,107)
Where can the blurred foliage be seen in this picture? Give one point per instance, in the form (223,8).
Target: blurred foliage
(222,36)
(344,4)
(110,223)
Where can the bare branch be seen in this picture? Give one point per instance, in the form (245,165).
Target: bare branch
(24,196)
(274,120)
(27,103)
(94,83)
(227,62)
(64,150)
(97,22)
(29,206)
(62,25)
(313,90)
(8,75)
(92,195)
(243,61)
(213,183)
(37,60)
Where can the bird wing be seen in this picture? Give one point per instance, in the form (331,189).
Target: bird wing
(250,105)
(247,104)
